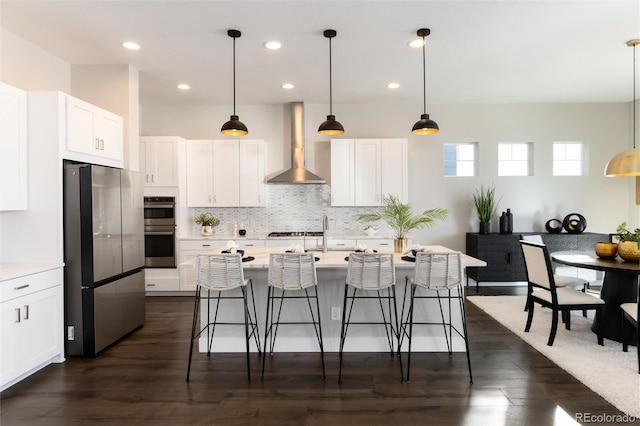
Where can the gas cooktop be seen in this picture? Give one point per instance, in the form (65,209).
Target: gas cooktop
(296,234)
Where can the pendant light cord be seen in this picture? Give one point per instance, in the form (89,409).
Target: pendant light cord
(424,76)
(634,96)
(234,76)
(331,82)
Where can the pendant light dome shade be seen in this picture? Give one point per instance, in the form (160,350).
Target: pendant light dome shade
(627,163)
(330,127)
(425,126)
(234,127)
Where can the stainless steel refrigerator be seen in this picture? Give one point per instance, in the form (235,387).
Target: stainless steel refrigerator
(103,255)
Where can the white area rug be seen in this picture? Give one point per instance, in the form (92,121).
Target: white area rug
(607,370)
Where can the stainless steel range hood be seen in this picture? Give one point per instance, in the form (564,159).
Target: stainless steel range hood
(297,174)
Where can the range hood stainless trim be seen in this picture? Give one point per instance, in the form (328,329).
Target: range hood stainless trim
(297,174)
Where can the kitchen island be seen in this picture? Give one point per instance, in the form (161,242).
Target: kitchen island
(331,270)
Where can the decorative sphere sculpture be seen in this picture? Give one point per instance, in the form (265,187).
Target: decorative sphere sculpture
(553,226)
(574,223)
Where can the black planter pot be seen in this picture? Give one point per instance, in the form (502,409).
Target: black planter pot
(485,227)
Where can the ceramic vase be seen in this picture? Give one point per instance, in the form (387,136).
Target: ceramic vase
(206,230)
(629,251)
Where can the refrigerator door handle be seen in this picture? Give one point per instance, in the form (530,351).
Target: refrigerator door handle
(159,233)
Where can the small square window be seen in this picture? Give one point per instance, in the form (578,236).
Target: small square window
(461,159)
(568,159)
(514,159)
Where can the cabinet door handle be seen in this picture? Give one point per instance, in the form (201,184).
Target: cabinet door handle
(507,257)
(102,144)
(151,285)
(26,312)
(147,179)
(206,245)
(97,143)
(17,311)
(152,178)
(21,287)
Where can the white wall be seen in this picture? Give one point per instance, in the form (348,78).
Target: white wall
(114,88)
(28,67)
(605,128)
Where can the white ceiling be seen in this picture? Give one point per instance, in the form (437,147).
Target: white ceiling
(479,51)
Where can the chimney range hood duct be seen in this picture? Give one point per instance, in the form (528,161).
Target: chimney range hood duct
(297,174)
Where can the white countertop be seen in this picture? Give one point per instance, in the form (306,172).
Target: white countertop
(331,259)
(10,271)
(330,236)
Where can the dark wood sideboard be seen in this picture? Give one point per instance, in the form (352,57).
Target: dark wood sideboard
(503,254)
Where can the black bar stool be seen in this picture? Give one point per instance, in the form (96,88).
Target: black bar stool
(220,273)
(437,273)
(371,272)
(291,272)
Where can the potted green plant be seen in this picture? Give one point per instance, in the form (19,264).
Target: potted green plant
(484,200)
(399,216)
(207,223)
(628,243)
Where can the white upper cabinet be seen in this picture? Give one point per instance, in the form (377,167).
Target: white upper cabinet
(342,173)
(252,173)
(199,173)
(364,170)
(159,160)
(13,148)
(92,131)
(225,173)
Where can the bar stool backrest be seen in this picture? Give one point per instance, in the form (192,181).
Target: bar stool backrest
(292,271)
(371,271)
(438,270)
(219,271)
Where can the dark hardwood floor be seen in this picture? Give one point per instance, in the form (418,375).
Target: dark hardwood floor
(141,381)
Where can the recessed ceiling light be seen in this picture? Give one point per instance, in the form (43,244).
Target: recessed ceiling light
(288,86)
(273,45)
(183,86)
(131,45)
(393,85)
(416,43)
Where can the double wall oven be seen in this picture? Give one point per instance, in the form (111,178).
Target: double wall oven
(160,232)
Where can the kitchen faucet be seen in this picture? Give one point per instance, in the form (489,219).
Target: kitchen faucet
(325,226)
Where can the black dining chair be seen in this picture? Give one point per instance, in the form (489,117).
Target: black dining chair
(542,289)
(630,314)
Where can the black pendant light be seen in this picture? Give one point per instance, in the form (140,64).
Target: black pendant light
(234,127)
(331,126)
(627,163)
(425,126)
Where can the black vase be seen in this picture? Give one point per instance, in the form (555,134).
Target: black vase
(485,227)
(504,223)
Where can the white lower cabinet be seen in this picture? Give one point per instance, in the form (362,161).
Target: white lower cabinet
(161,279)
(189,249)
(31,325)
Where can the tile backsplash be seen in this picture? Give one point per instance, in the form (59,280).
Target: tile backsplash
(291,208)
